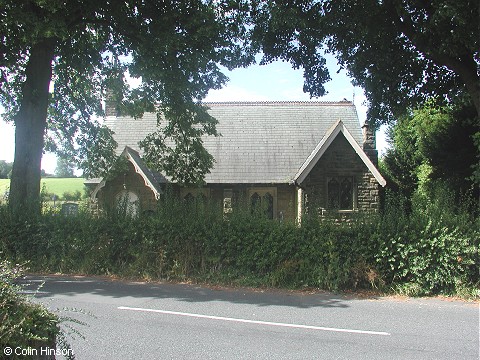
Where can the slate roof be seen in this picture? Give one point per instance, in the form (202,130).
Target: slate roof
(261,142)
(323,145)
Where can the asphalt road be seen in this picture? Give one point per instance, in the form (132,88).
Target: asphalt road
(127,320)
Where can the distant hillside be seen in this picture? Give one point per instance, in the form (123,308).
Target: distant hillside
(57,186)
(4,184)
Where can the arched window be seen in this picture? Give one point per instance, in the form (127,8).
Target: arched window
(196,196)
(346,194)
(340,193)
(263,203)
(256,202)
(333,194)
(127,203)
(267,205)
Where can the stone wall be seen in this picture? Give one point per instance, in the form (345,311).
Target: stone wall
(341,160)
(130,181)
(285,206)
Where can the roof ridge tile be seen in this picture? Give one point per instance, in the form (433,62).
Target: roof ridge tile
(280,102)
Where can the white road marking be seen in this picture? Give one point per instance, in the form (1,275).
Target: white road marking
(258,322)
(32,292)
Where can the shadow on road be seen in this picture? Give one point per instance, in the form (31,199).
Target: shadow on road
(76,285)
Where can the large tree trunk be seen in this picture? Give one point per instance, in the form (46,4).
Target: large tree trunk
(30,124)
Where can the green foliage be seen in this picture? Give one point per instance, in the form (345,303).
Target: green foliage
(87,49)
(186,161)
(433,249)
(4,190)
(22,323)
(64,169)
(66,189)
(120,166)
(476,167)
(434,143)
(400,52)
(5,169)
(69,196)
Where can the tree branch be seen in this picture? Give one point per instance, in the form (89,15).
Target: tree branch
(464,65)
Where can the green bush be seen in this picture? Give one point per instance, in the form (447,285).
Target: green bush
(23,324)
(72,196)
(432,249)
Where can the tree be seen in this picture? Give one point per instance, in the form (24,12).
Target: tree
(402,52)
(58,58)
(5,169)
(433,143)
(64,169)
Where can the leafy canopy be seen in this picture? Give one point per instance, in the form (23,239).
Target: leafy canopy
(433,143)
(64,169)
(5,169)
(174,48)
(402,52)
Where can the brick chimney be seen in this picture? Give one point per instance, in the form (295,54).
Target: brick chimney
(369,143)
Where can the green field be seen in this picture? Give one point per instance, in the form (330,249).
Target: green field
(57,186)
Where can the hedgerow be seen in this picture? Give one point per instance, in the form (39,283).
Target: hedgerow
(432,249)
(23,324)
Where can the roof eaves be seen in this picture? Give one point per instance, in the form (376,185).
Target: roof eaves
(99,186)
(366,160)
(317,153)
(278,103)
(138,164)
(134,157)
(323,145)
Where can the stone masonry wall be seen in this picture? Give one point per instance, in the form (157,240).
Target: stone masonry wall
(340,159)
(285,196)
(131,181)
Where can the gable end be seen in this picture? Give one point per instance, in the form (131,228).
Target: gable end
(324,144)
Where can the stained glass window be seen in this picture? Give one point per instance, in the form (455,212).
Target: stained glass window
(346,194)
(256,202)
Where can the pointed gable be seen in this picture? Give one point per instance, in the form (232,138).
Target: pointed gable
(151,178)
(324,144)
(260,142)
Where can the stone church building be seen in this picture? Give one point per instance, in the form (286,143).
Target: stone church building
(289,157)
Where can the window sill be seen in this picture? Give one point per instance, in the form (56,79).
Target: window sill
(334,211)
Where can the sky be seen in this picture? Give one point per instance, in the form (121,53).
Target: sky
(273,82)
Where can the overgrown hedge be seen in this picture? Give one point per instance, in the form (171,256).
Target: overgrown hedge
(23,325)
(433,249)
